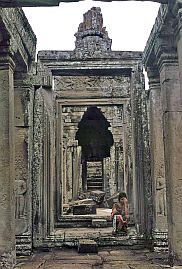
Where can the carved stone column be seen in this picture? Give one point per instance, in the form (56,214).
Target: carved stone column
(7,210)
(157,156)
(23,107)
(171,94)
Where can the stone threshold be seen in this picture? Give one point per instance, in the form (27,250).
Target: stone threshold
(102,236)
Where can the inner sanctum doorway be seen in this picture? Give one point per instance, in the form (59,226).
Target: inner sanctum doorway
(95,140)
(92,159)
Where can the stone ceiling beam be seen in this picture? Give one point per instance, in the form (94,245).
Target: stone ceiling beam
(156,1)
(36,3)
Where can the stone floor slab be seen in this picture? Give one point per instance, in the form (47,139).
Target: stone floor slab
(73,262)
(59,256)
(122,252)
(66,266)
(124,258)
(147,266)
(115,265)
(107,258)
(31,265)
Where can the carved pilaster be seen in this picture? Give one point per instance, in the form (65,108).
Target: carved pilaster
(7,201)
(172,126)
(157,159)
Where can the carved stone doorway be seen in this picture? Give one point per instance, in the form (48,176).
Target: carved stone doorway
(95,140)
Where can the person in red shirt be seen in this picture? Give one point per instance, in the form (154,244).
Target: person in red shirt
(120,215)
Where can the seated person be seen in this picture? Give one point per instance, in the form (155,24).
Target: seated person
(120,214)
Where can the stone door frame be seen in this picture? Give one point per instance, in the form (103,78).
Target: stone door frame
(60,103)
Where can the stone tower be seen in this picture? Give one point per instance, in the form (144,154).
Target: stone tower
(92,37)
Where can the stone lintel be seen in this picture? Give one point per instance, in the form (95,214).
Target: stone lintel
(39,3)
(43,79)
(37,81)
(30,3)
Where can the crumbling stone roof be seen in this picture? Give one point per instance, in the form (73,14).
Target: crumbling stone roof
(91,35)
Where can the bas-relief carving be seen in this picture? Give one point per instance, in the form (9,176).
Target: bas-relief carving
(20,190)
(161,196)
(108,85)
(21,176)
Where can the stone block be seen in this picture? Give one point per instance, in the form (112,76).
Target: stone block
(97,196)
(99,223)
(84,209)
(87,246)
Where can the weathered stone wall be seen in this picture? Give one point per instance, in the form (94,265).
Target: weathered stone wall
(17,51)
(162,56)
(43,163)
(142,185)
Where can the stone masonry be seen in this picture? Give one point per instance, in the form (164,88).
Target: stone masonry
(41,105)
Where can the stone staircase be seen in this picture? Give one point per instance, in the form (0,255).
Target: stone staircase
(94,183)
(94,176)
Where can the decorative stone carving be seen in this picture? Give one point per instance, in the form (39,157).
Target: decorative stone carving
(119,86)
(92,36)
(161,195)
(20,190)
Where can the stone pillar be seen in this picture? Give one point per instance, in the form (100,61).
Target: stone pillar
(171,94)
(23,107)
(7,210)
(157,152)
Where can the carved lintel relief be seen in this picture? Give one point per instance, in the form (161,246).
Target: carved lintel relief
(118,86)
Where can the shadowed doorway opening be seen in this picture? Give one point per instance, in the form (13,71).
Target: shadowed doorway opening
(95,140)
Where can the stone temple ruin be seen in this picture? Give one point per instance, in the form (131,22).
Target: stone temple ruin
(78,127)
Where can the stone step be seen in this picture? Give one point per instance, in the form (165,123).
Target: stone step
(94,184)
(99,223)
(94,180)
(94,188)
(87,246)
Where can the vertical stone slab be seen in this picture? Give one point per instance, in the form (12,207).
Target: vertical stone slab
(7,210)
(172,122)
(23,182)
(157,153)
(140,154)
(173,149)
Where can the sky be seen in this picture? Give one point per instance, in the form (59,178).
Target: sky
(128,23)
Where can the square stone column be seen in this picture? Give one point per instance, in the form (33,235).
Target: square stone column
(172,124)
(157,152)
(7,210)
